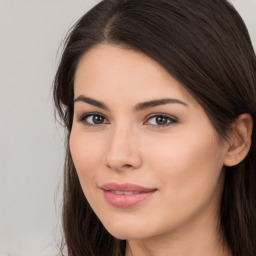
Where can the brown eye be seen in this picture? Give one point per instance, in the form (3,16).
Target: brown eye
(93,119)
(161,120)
(97,119)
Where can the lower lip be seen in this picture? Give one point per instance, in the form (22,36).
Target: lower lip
(126,201)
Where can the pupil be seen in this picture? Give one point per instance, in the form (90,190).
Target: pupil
(161,120)
(98,119)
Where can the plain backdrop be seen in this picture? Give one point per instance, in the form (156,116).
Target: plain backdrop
(31,142)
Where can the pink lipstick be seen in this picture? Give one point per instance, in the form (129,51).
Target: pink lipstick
(126,195)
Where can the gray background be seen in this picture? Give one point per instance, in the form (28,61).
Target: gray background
(31,142)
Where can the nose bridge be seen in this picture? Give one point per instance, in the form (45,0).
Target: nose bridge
(122,150)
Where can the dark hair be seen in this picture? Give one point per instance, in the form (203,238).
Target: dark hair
(205,45)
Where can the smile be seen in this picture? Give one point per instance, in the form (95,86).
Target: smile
(126,195)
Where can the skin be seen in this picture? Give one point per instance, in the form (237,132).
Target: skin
(183,159)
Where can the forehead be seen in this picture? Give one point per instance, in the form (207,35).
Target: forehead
(107,69)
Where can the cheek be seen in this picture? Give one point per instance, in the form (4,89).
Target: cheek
(86,155)
(189,175)
(185,163)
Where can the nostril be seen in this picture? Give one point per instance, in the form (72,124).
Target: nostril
(122,161)
(127,165)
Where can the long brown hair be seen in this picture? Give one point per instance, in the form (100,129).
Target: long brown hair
(205,45)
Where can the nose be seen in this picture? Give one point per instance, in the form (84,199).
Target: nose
(122,151)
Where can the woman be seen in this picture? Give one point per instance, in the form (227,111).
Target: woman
(159,101)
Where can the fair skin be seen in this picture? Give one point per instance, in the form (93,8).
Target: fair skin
(170,147)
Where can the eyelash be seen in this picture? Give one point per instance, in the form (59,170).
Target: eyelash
(170,119)
(83,118)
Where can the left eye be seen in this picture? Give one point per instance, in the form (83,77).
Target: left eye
(160,120)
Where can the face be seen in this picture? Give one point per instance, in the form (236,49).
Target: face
(148,159)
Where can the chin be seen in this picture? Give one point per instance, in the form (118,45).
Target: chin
(127,235)
(124,230)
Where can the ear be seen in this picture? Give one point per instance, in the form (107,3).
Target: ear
(240,140)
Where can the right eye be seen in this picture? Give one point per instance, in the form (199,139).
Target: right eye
(93,119)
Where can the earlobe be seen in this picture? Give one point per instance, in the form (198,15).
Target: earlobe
(240,140)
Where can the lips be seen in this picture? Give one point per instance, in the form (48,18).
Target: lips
(126,195)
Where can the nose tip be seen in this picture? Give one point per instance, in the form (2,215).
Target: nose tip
(120,161)
(123,153)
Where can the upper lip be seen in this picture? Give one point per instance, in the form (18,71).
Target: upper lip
(125,187)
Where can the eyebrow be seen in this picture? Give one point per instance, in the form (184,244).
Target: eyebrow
(91,102)
(138,107)
(154,103)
